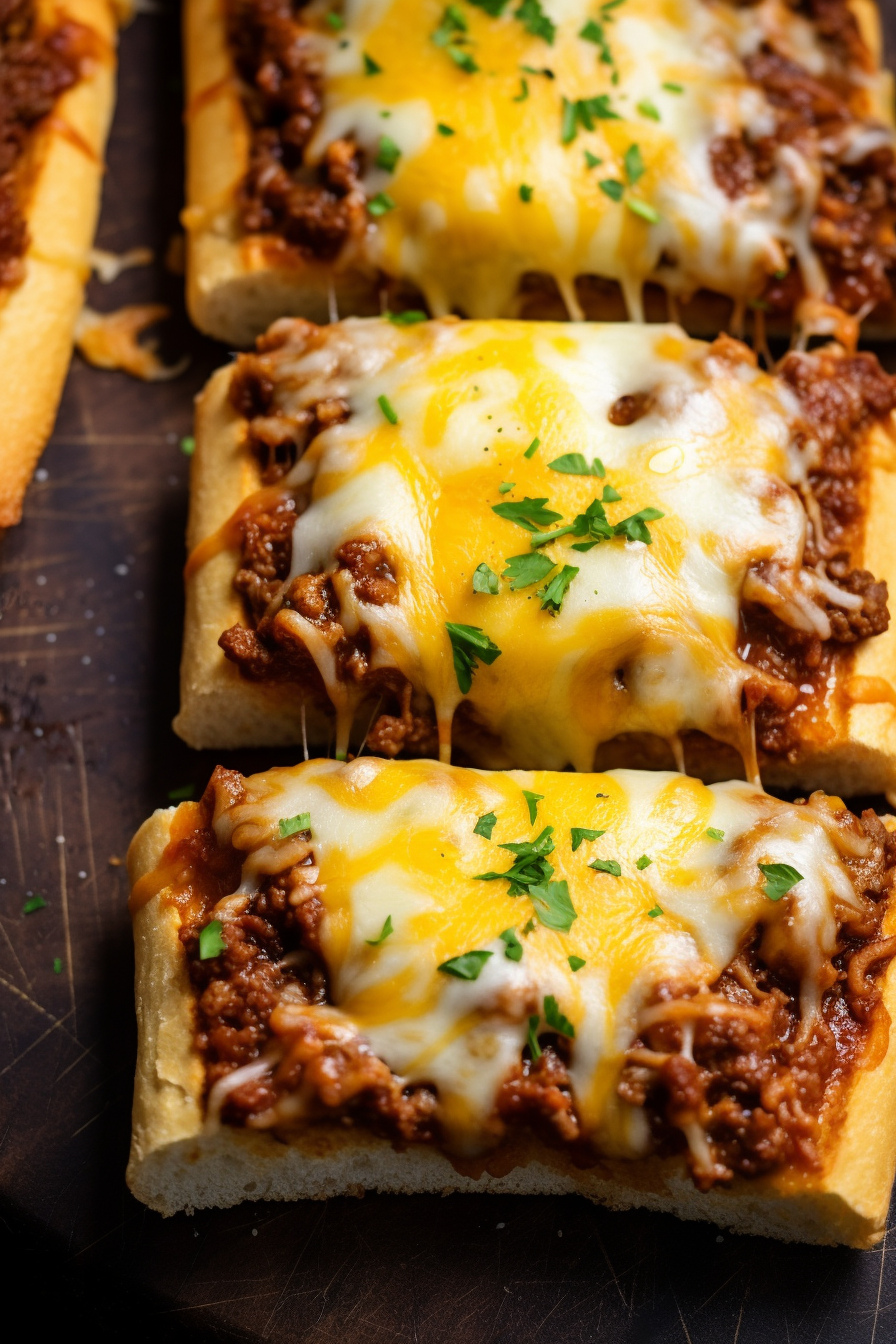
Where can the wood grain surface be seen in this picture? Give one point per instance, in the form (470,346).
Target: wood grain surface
(90,612)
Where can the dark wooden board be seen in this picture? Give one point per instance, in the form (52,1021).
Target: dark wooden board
(90,612)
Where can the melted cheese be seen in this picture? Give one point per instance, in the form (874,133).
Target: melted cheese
(646,638)
(461,231)
(397,840)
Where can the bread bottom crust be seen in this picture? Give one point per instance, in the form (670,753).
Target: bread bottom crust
(220,708)
(176,1165)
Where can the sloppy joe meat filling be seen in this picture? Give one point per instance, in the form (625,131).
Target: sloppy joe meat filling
(760,1088)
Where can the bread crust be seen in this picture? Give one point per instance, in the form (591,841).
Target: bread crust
(175,1164)
(37,317)
(236,287)
(220,708)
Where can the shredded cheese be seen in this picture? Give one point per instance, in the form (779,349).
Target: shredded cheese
(111,341)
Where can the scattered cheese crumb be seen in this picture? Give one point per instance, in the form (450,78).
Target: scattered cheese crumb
(110,341)
(109,265)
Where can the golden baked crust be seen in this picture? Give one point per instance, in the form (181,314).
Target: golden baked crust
(237,286)
(37,317)
(176,1165)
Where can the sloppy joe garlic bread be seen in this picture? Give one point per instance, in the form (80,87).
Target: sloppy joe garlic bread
(58,70)
(542,545)
(629,985)
(504,159)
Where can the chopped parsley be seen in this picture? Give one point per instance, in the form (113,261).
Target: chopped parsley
(505,486)
(643,210)
(673,88)
(655,912)
(485,825)
(594,525)
(643,862)
(576,963)
(523,570)
(610,187)
(553,593)
(533,448)
(531,867)
(463,59)
(532,801)
(494,7)
(469,645)
(485,580)
(290,825)
(536,70)
(553,905)
(779,879)
(382,935)
(181,793)
(380,204)
(635,526)
(580,833)
(556,1019)
(387,409)
(335,21)
(584,112)
(633,163)
(591,160)
(648,109)
(211,944)
(529,926)
(57,965)
(574,464)
(188,445)
(33,903)
(531,1037)
(371,67)
(528,513)
(444,129)
(535,21)
(514,948)
(611,866)
(468,966)
(387,154)
(409,318)
(524,91)
(526,192)
(714,833)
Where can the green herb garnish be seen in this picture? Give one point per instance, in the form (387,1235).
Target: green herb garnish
(533,448)
(387,154)
(553,905)
(526,192)
(535,21)
(211,944)
(648,109)
(576,963)
(444,129)
(580,833)
(642,210)
(485,825)
(409,318)
(532,1039)
(611,866)
(34,902)
(57,965)
(469,645)
(643,862)
(634,164)
(514,948)
(370,66)
(387,409)
(383,933)
(714,833)
(485,580)
(188,445)
(779,879)
(553,593)
(652,914)
(468,966)
(524,570)
(532,801)
(574,464)
(528,513)
(610,187)
(181,793)
(290,825)
(556,1019)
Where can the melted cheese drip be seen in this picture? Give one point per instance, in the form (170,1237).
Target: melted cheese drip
(397,839)
(471,398)
(461,231)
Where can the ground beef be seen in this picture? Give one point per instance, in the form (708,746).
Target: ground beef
(35,68)
(852,229)
(314,212)
(371,571)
